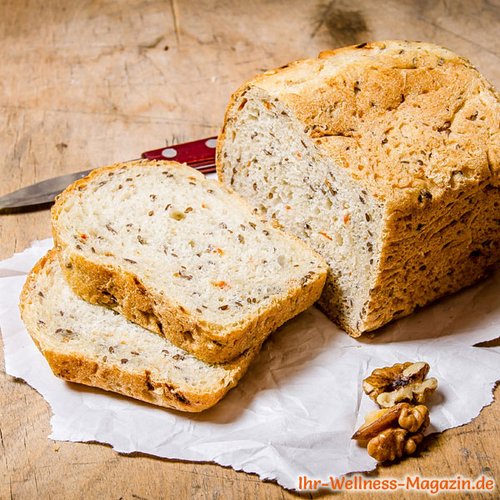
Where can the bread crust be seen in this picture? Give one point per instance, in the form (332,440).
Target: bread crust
(108,285)
(455,115)
(78,368)
(307,92)
(81,370)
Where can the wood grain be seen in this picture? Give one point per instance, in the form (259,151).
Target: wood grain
(84,84)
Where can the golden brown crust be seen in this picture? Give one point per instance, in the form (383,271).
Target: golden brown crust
(354,99)
(123,291)
(417,127)
(79,369)
(95,284)
(434,250)
(76,367)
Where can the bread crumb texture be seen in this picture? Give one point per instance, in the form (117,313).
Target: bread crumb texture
(183,256)
(385,158)
(96,346)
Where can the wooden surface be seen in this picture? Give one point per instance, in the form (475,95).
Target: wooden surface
(87,83)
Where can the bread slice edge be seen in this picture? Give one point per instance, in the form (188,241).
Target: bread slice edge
(78,368)
(123,291)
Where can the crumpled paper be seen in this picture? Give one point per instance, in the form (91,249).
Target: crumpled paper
(297,407)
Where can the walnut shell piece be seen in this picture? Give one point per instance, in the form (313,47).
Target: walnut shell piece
(401,382)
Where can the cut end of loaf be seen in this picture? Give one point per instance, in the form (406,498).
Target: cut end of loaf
(384,158)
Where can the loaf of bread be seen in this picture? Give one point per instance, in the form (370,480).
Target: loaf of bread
(384,157)
(183,256)
(96,346)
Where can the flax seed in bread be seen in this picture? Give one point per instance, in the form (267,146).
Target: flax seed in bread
(183,256)
(384,157)
(96,346)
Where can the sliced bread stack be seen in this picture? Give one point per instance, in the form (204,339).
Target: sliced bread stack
(192,282)
(97,346)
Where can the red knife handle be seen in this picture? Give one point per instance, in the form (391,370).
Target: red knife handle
(197,154)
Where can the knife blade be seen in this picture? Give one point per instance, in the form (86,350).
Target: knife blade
(198,154)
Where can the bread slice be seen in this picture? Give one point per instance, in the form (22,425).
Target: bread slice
(384,157)
(96,346)
(183,256)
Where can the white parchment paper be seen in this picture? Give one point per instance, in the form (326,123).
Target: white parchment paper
(295,410)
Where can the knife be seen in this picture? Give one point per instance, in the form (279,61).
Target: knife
(198,154)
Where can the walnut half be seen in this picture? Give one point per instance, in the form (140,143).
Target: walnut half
(400,382)
(392,444)
(393,432)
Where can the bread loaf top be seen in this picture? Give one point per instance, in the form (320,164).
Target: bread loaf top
(408,120)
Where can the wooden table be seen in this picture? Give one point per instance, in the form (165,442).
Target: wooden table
(84,84)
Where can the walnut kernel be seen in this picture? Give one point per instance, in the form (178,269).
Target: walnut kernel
(388,445)
(413,418)
(400,382)
(391,433)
